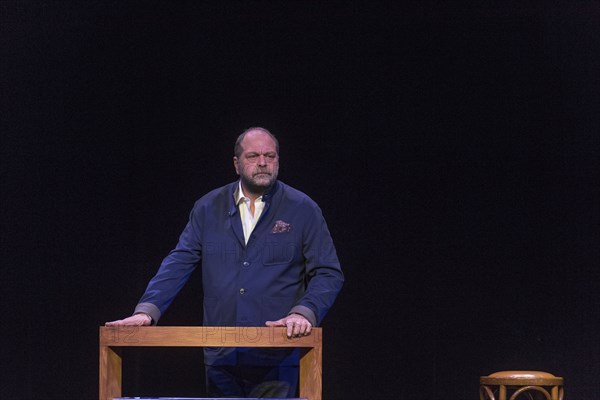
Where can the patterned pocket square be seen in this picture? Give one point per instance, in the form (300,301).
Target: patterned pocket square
(281,226)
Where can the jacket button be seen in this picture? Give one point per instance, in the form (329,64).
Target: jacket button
(242,291)
(246,264)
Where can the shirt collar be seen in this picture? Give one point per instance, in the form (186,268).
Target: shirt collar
(238,195)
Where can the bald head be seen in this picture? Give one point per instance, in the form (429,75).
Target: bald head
(238,148)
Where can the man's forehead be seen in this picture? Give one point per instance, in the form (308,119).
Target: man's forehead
(258,140)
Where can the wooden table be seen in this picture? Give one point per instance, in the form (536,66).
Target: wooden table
(113,338)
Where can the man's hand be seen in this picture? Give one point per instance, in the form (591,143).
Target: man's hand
(136,320)
(296,325)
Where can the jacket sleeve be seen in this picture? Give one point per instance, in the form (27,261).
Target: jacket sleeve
(174,271)
(323,272)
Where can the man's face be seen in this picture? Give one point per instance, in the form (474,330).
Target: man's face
(258,165)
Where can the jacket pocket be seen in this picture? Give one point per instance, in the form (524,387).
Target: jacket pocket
(279,251)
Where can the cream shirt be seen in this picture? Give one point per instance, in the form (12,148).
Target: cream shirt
(248,220)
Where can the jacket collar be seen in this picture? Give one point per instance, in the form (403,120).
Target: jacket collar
(236,223)
(234,189)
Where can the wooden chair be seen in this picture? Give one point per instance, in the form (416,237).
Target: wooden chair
(533,385)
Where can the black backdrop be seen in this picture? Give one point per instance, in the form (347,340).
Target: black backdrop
(453,149)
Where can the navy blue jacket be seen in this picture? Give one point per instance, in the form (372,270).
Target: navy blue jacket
(289,265)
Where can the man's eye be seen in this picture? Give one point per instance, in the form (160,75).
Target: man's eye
(252,157)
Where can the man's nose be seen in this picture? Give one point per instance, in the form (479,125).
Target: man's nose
(262,160)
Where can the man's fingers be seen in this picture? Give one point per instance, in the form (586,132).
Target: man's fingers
(138,319)
(308,329)
(275,323)
(295,329)
(295,326)
(290,328)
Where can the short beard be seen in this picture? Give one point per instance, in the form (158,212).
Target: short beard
(257,189)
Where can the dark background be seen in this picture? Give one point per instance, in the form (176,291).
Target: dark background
(453,149)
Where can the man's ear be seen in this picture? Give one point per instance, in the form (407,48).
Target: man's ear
(235,165)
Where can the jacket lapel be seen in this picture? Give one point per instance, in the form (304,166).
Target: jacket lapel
(234,217)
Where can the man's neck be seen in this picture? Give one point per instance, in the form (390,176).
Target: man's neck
(251,194)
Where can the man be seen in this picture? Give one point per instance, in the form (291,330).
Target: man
(267,259)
